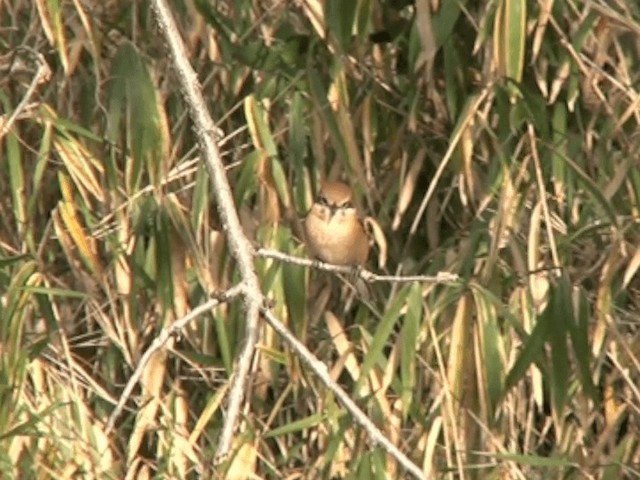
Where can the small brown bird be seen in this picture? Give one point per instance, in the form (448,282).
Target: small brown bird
(335,233)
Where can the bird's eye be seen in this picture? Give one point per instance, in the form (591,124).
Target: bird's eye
(322,200)
(347,204)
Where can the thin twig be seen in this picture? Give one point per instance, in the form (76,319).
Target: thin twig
(239,246)
(42,75)
(366,275)
(359,416)
(160,340)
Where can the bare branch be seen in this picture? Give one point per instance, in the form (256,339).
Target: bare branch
(359,416)
(160,340)
(366,275)
(239,245)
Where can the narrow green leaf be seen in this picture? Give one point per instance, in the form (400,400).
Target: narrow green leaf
(65,126)
(532,349)
(55,292)
(257,120)
(201,200)
(279,176)
(16,184)
(297,150)
(15,300)
(444,20)
(409,333)
(491,335)
(224,339)
(381,336)
(535,460)
(594,190)
(509,37)
(339,16)
(42,163)
(559,138)
(164,278)
(616,460)
(297,426)
(295,292)
(247,182)
(132,98)
(452,75)
(378,464)
(561,312)
(579,332)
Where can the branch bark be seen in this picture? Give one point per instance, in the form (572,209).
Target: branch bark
(239,245)
(159,342)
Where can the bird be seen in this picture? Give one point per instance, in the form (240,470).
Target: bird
(334,231)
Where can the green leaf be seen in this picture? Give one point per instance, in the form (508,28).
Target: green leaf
(297,151)
(509,37)
(247,182)
(295,292)
(453,80)
(594,190)
(16,183)
(579,333)
(532,350)
(491,336)
(559,139)
(164,278)
(56,292)
(339,16)
(297,426)
(131,98)
(224,338)
(409,333)
(381,336)
(256,118)
(378,464)
(444,20)
(560,312)
(535,460)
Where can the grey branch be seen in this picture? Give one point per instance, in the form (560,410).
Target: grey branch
(366,275)
(159,341)
(321,370)
(239,245)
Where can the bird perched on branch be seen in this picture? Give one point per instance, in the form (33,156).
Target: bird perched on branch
(334,230)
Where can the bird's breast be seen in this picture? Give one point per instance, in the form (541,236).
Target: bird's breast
(337,239)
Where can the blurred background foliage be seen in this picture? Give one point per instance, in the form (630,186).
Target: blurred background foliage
(496,140)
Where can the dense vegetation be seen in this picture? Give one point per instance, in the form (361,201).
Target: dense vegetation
(495,140)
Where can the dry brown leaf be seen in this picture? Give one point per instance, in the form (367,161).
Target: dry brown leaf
(546,6)
(314,10)
(152,381)
(244,462)
(408,187)
(538,282)
(379,238)
(82,166)
(632,268)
